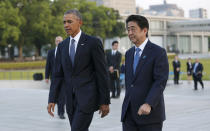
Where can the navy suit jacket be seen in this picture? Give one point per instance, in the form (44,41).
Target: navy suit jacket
(147,84)
(176,65)
(49,64)
(87,79)
(198,70)
(113,60)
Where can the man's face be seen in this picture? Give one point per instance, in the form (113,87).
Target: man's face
(197,60)
(115,46)
(135,33)
(58,40)
(176,57)
(72,24)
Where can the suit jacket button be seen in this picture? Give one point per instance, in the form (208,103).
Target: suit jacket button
(132,85)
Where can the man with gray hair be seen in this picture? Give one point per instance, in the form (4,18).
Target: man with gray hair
(80,62)
(51,55)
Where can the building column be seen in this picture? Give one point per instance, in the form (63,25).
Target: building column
(165,34)
(177,44)
(191,42)
(165,41)
(202,43)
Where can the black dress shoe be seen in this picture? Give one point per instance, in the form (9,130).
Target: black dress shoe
(62,117)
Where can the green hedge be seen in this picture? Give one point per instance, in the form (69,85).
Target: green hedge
(22,65)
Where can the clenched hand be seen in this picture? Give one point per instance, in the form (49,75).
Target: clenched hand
(50,108)
(104,110)
(144,109)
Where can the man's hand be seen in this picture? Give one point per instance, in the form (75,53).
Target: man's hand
(104,110)
(145,109)
(177,69)
(47,81)
(50,108)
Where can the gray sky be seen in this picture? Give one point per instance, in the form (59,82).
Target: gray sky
(184,4)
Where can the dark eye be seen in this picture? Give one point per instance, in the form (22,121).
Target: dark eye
(69,21)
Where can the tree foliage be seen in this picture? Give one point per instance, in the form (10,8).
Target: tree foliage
(35,23)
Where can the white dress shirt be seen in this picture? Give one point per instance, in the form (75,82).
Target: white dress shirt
(76,38)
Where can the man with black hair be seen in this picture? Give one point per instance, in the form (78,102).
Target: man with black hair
(146,74)
(80,62)
(113,58)
(197,74)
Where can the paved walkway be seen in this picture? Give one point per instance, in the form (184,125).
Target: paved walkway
(23,108)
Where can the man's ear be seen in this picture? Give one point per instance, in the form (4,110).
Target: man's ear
(80,22)
(145,30)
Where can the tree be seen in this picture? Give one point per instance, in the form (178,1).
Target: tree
(10,23)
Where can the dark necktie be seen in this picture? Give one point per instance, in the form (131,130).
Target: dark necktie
(136,59)
(72,51)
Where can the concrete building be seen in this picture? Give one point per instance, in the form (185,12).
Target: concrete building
(164,9)
(175,34)
(123,6)
(198,13)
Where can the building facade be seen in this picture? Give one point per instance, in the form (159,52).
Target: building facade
(198,13)
(123,6)
(175,34)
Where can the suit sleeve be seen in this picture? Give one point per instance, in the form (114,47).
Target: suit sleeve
(57,78)
(160,76)
(101,73)
(48,66)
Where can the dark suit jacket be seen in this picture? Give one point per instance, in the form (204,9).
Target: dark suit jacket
(49,64)
(176,65)
(189,68)
(148,83)
(87,79)
(199,70)
(113,60)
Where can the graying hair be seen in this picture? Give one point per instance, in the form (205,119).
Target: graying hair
(59,37)
(75,12)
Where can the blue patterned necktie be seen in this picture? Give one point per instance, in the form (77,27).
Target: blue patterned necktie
(72,51)
(136,59)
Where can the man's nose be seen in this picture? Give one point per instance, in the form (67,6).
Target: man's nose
(65,24)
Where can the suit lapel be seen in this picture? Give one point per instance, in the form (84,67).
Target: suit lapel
(130,61)
(144,57)
(82,42)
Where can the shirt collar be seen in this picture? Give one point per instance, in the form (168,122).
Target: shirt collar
(76,38)
(142,45)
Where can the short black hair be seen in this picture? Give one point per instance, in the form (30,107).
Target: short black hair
(141,21)
(115,42)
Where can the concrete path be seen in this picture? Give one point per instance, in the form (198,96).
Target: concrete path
(23,108)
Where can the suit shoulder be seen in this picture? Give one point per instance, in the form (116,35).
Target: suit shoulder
(93,39)
(66,41)
(157,49)
(51,51)
(129,50)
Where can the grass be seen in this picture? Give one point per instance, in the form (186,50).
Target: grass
(183,75)
(19,74)
(28,74)
(22,65)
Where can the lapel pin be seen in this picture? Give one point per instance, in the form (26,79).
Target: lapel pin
(82,44)
(144,57)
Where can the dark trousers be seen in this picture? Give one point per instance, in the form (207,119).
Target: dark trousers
(115,87)
(129,124)
(176,77)
(61,102)
(196,80)
(79,121)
